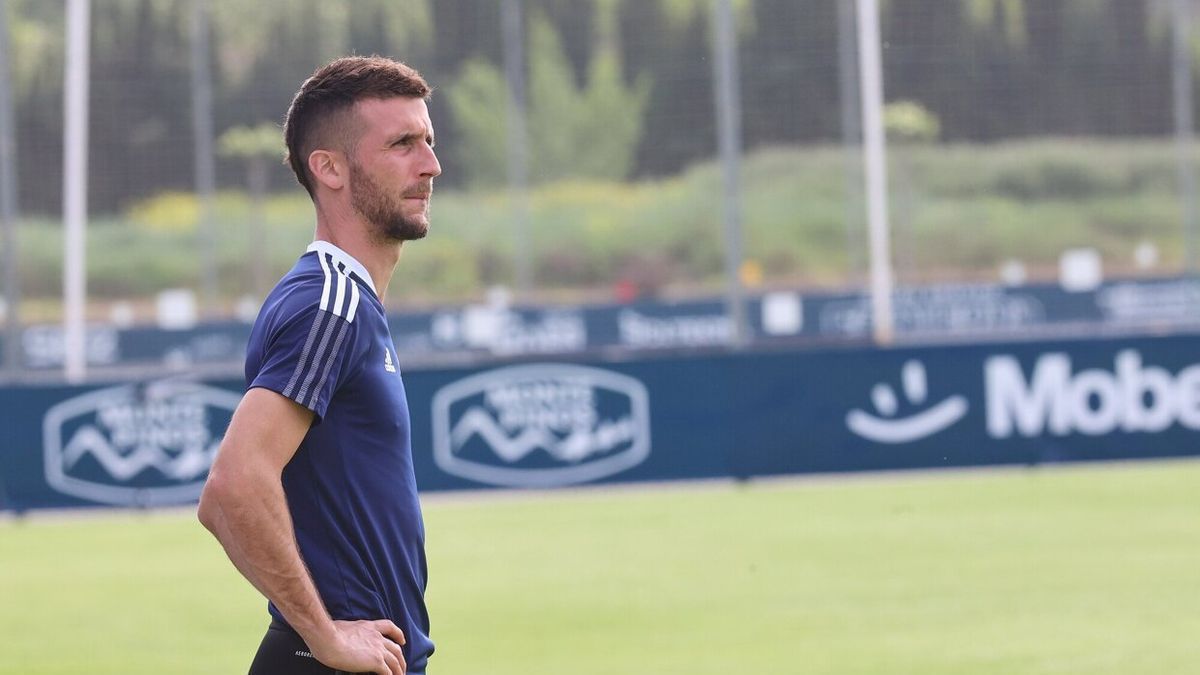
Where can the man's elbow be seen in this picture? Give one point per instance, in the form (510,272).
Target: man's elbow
(209,510)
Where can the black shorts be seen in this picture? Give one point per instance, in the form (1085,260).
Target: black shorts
(282,652)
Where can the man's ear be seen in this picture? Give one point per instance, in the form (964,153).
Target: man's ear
(328,168)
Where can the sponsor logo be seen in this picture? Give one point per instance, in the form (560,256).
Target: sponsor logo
(500,330)
(142,444)
(1132,398)
(701,330)
(541,425)
(1054,399)
(1170,302)
(942,309)
(388,365)
(45,346)
(887,428)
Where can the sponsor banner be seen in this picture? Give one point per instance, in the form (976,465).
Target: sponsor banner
(143,444)
(552,423)
(43,347)
(1025,403)
(944,310)
(494,330)
(541,425)
(778,318)
(556,424)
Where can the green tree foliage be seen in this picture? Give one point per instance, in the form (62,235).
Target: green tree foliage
(909,122)
(1007,17)
(617,88)
(478,100)
(262,140)
(574,131)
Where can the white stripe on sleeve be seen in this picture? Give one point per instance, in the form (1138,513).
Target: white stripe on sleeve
(325,291)
(353,300)
(339,302)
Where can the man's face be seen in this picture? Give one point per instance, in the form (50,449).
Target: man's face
(393,166)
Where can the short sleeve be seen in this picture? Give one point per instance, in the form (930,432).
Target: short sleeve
(308,356)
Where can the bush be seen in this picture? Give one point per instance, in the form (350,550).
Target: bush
(958,212)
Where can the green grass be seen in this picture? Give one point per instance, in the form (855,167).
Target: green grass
(1090,570)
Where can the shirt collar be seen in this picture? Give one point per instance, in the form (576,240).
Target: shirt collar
(352,265)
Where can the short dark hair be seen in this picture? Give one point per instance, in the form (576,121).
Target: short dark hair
(318,113)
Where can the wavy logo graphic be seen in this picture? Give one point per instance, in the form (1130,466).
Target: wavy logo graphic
(136,445)
(541,425)
(887,428)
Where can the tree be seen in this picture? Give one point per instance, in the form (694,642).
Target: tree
(575,131)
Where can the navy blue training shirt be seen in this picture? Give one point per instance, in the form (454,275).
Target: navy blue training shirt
(322,340)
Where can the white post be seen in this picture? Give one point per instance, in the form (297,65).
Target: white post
(871,83)
(75,163)
(729,142)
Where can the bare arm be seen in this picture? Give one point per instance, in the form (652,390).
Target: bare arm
(244,506)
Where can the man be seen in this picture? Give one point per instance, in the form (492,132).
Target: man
(312,494)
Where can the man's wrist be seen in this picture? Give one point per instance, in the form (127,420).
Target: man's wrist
(317,632)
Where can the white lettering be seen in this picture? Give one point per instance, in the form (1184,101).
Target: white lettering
(1137,383)
(1098,386)
(1187,392)
(1009,400)
(638,330)
(1133,398)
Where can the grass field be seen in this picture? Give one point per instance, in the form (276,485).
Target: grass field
(1090,570)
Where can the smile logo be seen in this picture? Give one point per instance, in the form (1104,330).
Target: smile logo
(888,428)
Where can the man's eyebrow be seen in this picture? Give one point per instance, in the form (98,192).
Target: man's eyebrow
(411,136)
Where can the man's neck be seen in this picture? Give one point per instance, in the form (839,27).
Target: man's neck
(378,258)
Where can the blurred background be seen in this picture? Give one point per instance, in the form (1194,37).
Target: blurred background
(682,243)
(606,186)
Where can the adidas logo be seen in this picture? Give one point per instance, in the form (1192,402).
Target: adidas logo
(387,361)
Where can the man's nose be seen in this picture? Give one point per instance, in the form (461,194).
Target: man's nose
(431,167)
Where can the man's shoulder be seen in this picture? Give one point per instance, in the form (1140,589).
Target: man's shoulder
(301,286)
(311,287)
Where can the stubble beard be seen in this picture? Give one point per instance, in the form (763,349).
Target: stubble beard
(384,212)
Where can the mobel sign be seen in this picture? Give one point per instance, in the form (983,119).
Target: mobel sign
(1052,399)
(1055,399)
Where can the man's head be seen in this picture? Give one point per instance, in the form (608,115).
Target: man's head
(361,123)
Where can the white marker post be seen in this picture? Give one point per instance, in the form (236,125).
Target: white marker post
(871,84)
(75,163)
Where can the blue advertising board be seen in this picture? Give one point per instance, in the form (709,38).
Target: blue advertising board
(557,423)
(776,319)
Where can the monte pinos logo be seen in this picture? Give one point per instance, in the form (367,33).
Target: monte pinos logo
(541,425)
(136,445)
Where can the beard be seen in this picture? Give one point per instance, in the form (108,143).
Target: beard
(385,211)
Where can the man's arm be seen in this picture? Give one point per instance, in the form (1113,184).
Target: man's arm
(243,505)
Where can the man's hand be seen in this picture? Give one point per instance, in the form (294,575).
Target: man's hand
(363,647)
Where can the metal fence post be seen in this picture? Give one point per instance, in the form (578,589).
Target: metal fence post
(518,143)
(729,140)
(205,163)
(1182,88)
(8,207)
